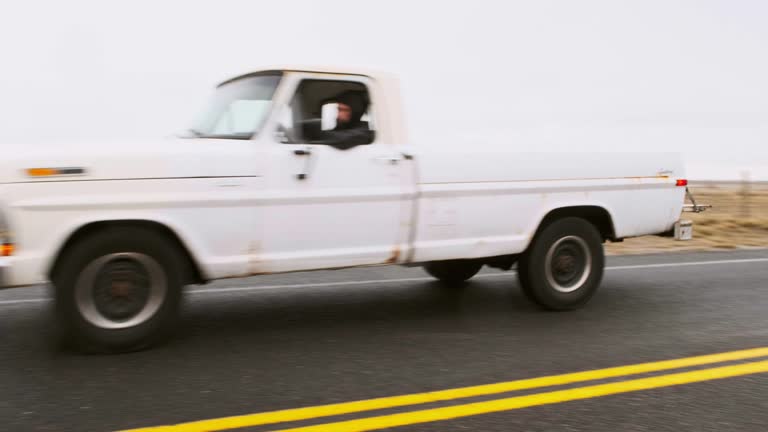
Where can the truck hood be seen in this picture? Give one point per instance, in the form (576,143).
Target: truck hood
(159,158)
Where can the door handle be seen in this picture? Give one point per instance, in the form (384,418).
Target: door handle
(306,151)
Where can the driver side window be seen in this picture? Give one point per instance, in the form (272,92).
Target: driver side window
(335,113)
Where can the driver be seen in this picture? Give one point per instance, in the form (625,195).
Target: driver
(350,131)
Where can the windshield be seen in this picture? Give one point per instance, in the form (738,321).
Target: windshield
(238,108)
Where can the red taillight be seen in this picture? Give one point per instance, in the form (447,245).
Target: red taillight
(681,182)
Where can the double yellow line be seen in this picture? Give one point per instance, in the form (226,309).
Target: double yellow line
(496,405)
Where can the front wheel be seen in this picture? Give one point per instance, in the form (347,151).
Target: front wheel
(118,290)
(564,265)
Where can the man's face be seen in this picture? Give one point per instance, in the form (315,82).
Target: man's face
(344,113)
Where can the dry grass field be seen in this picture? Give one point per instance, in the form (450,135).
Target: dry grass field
(739,219)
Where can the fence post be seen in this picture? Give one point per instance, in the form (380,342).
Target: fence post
(746,194)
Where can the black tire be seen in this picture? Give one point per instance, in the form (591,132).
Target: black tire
(522,277)
(564,265)
(453,272)
(118,290)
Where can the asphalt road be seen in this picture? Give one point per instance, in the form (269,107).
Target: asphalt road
(287,341)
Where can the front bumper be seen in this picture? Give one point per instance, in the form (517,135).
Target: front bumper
(5,270)
(19,271)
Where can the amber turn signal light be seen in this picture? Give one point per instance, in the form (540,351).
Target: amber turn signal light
(6,249)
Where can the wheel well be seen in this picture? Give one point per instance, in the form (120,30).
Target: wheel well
(597,216)
(193,274)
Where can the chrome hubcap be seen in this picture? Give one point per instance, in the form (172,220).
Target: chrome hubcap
(120,290)
(568,264)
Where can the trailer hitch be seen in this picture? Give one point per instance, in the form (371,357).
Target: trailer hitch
(694,207)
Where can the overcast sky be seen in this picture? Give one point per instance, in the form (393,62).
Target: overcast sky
(688,76)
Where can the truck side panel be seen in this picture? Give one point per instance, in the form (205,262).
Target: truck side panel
(494,205)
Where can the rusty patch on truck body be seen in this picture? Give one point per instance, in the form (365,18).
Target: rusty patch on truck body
(394,257)
(254,261)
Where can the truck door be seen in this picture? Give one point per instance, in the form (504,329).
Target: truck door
(330,204)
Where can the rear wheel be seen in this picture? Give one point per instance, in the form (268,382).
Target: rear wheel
(453,272)
(118,290)
(564,265)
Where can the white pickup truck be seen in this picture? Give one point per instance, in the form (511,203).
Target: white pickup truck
(256,187)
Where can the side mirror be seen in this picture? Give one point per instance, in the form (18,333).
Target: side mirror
(328,114)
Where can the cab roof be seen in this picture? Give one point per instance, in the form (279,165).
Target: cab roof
(337,70)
